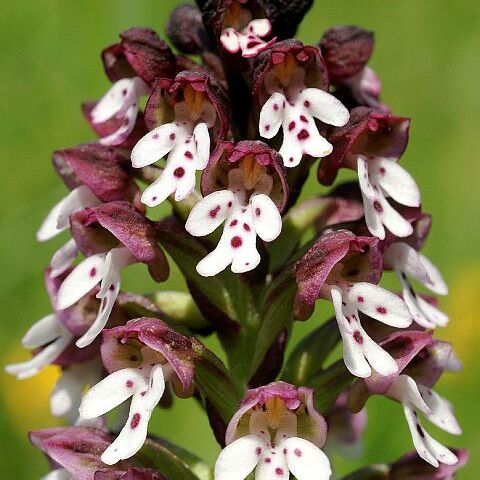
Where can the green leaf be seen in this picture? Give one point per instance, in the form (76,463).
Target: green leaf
(310,353)
(173,461)
(276,314)
(328,385)
(215,383)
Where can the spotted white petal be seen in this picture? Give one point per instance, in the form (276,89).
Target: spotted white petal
(305,460)
(267,220)
(237,460)
(210,212)
(116,259)
(81,280)
(271,115)
(156,144)
(216,261)
(380,360)
(403,258)
(441,411)
(202,142)
(57,219)
(405,390)
(427,447)
(411,300)
(324,106)
(273,464)
(134,433)
(114,101)
(260,27)
(111,392)
(378,303)
(436,282)
(353,356)
(395,181)
(230,41)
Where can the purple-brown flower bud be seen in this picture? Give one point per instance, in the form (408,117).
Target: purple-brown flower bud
(140,53)
(346,50)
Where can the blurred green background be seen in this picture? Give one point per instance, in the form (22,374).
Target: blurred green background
(427,55)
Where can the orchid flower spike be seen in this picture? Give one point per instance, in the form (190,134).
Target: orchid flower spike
(250,205)
(141,357)
(406,261)
(371,143)
(293,102)
(132,66)
(94,230)
(243,33)
(276,431)
(418,398)
(196,107)
(345,269)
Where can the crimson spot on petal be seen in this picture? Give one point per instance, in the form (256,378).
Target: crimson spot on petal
(279,471)
(93,272)
(246,227)
(189,154)
(135,420)
(377,206)
(172,136)
(291,126)
(382,310)
(233,222)
(236,242)
(179,172)
(213,213)
(129,383)
(303,134)
(298,452)
(257,212)
(358,337)
(303,118)
(258,450)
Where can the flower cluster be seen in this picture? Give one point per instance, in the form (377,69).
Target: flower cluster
(226,132)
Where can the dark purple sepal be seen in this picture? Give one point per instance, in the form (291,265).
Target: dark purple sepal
(359,255)
(346,50)
(367,133)
(185,29)
(76,449)
(166,93)
(228,155)
(106,171)
(113,224)
(128,140)
(141,53)
(307,57)
(412,467)
(121,347)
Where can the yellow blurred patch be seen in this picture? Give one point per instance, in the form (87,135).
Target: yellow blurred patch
(27,401)
(462,307)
